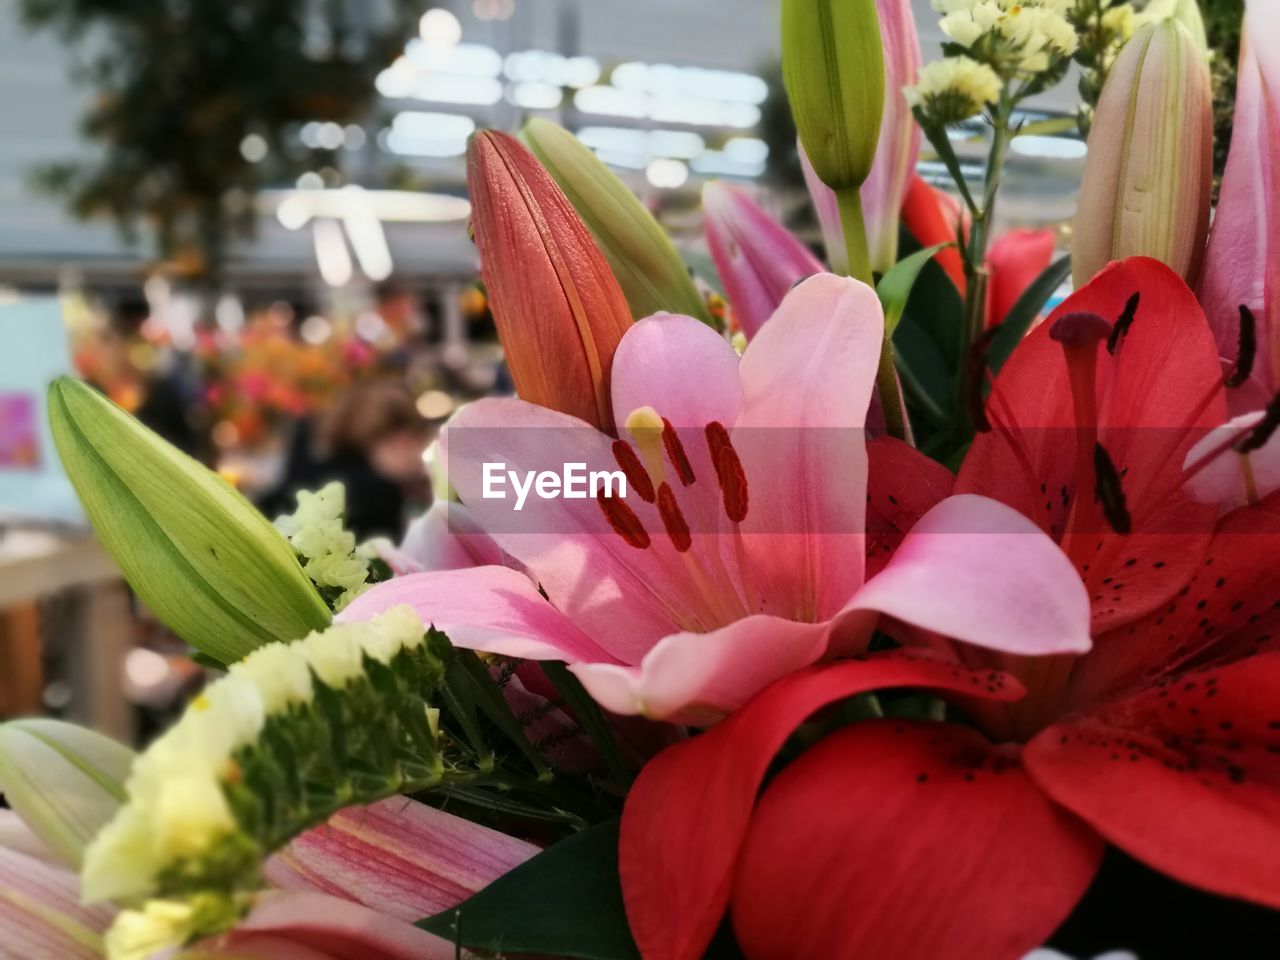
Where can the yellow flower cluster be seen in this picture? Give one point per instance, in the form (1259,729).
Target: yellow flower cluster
(327,549)
(177,807)
(954,89)
(1026,35)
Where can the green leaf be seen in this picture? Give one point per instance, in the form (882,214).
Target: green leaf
(566,902)
(1020,317)
(894,288)
(1048,126)
(588,715)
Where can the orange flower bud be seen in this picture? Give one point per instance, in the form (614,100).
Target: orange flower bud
(560,313)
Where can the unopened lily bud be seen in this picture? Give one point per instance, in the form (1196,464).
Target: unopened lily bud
(64,781)
(1149,170)
(197,552)
(833,67)
(644,260)
(757,259)
(559,311)
(1186,12)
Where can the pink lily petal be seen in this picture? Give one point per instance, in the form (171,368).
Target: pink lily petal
(698,678)
(757,259)
(398,856)
(40,913)
(898,148)
(680,367)
(16,837)
(807,380)
(333,928)
(624,596)
(446,537)
(827,208)
(1233,480)
(1242,261)
(493,609)
(978,571)
(688,374)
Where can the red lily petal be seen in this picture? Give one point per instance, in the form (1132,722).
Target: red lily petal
(926,219)
(1155,396)
(902,486)
(908,840)
(1229,608)
(1014,261)
(1184,775)
(688,811)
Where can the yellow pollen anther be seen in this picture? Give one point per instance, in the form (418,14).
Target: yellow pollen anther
(645,427)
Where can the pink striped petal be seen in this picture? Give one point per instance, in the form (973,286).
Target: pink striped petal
(493,609)
(40,913)
(398,856)
(979,571)
(324,928)
(698,678)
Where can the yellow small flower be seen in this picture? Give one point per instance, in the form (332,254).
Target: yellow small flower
(138,934)
(954,89)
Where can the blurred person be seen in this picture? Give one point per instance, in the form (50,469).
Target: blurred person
(371,439)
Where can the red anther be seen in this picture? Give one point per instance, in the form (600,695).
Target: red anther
(675,453)
(673,519)
(729,473)
(633,470)
(624,521)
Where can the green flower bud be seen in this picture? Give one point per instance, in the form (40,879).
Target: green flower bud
(833,67)
(64,781)
(198,554)
(643,259)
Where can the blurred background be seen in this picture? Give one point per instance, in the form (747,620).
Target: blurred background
(246,222)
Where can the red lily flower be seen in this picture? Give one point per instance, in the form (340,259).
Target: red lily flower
(922,839)
(1014,260)
(931,218)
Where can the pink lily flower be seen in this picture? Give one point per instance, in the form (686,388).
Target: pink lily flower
(739,553)
(1242,262)
(757,258)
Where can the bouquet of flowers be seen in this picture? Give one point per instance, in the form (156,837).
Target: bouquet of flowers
(862,633)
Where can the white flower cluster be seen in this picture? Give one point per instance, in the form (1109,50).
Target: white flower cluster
(327,549)
(1021,33)
(176,805)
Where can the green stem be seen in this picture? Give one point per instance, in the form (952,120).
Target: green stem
(849,201)
(855,240)
(891,401)
(975,252)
